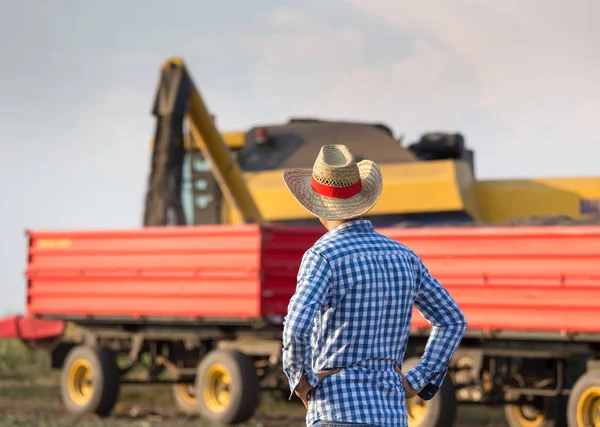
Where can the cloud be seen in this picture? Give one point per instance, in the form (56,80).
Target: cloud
(533,62)
(288,17)
(507,74)
(327,73)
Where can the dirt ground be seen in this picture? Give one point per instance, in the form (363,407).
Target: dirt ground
(29,397)
(26,403)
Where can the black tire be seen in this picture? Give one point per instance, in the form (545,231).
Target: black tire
(552,413)
(185,398)
(90,381)
(584,400)
(235,372)
(437,412)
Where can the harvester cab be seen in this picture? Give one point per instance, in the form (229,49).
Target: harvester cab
(443,146)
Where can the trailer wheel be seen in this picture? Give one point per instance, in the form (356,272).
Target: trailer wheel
(550,414)
(185,398)
(227,386)
(90,381)
(437,412)
(584,402)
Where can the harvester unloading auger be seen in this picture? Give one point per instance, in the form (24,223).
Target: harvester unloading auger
(177,99)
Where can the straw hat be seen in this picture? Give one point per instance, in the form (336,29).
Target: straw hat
(337,188)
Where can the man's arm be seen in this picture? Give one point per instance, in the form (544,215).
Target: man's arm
(448,328)
(314,279)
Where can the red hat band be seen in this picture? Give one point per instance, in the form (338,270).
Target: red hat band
(336,192)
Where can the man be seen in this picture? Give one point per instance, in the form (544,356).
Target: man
(348,322)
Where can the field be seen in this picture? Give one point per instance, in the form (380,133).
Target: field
(29,397)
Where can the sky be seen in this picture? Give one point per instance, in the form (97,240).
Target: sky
(518,79)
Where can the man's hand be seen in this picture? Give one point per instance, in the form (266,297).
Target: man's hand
(303,388)
(408,390)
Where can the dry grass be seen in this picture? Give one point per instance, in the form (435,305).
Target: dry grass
(29,397)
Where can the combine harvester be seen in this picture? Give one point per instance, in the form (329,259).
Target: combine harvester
(197,296)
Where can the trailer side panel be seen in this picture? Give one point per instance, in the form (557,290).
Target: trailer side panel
(177,272)
(530,279)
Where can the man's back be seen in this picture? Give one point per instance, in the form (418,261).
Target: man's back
(356,289)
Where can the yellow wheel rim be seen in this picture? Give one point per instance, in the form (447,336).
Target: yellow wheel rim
(528,416)
(79,382)
(588,408)
(417,410)
(186,392)
(216,388)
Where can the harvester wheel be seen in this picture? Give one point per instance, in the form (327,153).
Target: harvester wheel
(437,412)
(584,401)
(550,413)
(90,381)
(227,387)
(185,398)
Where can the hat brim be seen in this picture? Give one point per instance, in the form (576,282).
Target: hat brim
(298,182)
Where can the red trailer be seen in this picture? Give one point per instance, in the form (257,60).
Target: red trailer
(205,305)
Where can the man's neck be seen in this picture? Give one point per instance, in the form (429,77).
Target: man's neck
(330,225)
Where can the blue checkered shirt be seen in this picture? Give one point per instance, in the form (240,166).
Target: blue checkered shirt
(352,309)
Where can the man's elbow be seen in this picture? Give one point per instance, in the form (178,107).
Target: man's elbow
(461,323)
(456,322)
(294,332)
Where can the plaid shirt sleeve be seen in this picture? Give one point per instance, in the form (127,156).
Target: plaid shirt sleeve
(314,277)
(448,328)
